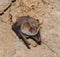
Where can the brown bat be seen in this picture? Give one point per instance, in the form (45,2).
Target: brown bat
(27,27)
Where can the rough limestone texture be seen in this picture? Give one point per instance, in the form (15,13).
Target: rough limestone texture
(48,12)
(4,4)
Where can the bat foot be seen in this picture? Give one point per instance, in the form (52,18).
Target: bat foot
(39,42)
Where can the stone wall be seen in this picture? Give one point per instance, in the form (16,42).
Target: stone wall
(47,11)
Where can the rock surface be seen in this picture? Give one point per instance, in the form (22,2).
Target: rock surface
(4,4)
(33,43)
(47,12)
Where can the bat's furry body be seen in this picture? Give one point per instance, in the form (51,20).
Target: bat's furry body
(27,26)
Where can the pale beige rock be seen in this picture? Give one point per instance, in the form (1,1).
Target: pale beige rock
(4,4)
(32,42)
(51,30)
(50,1)
(6,17)
(20,8)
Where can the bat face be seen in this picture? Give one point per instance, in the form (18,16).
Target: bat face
(35,25)
(31,27)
